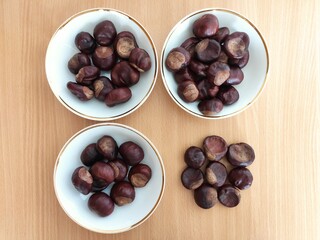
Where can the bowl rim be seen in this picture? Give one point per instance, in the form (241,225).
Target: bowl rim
(162,63)
(150,144)
(66,105)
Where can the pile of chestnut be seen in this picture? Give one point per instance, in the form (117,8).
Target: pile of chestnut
(207,65)
(213,183)
(108,51)
(109,164)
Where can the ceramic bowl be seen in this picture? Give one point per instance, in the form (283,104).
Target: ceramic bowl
(61,48)
(255,72)
(75,204)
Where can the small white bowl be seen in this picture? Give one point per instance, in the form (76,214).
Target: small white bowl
(61,48)
(255,72)
(75,204)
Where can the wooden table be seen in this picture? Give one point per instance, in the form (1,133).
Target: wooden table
(283,126)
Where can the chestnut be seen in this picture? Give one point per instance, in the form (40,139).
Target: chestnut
(207,50)
(120,168)
(98,186)
(108,147)
(131,153)
(102,174)
(215,147)
(192,178)
(194,157)
(229,196)
(236,44)
(188,91)
(210,107)
(90,155)
(102,86)
(82,180)
(240,154)
(223,57)
(139,175)
(101,204)
(218,73)
(216,174)
(241,178)
(206,26)
(236,76)
(118,96)
(221,34)
(78,61)
(198,68)
(105,33)
(124,43)
(184,75)
(122,193)
(207,89)
(140,60)
(189,44)
(87,74)
(228,95)
(177,59)
(124,75)
(85,42)
(206,196)
(81,92)
(242,62)
(104,58)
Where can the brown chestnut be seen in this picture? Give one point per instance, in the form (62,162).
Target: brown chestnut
(221,34)
(228,95)
(118,96)
(184,75)
(207,50)
(131,153)
(229,196)
(241,178)
(87,74)
(85,42)
(104,33)
(139,175)
(189,44)
(101,204)
(194,157)
(119,167)
(192,178)
(82,92)
(122,193)
(210,107)
(242,62)
(102,86)
(82,180)
(78,61)
(102,174)
(198,68)
(188,91)
(124,75)
(223,57)
(205,26)
(240,154)
(177,59)
(236,76)
(206,89)
(108,147)
(90,155)
(218,73)
(215,147)
(206,196)
(216,174)
(124,43)
(104,58)
(140,60)
(236,44)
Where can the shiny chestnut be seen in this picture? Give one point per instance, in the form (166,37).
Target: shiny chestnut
(105,33)
(140,59)
(122,193)
(131,153)
(101,204)
(139,175)
(82,180)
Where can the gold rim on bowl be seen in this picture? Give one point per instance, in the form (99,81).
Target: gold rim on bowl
(150,144)
(162,59)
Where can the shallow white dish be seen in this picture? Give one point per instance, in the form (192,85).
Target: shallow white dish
(75,204)
(61,48)
(255,73)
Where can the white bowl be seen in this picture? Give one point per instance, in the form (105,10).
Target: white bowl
(61,48)
(75,204)
(255,72)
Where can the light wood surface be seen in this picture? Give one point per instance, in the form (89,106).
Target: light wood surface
(282,126)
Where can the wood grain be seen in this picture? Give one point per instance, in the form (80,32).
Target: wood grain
(283,126)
